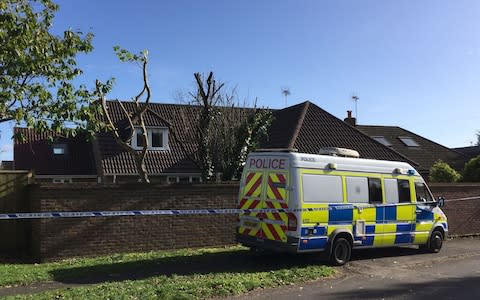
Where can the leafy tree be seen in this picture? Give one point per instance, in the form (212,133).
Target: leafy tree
(442,172)
(136,118)
(241,139)
(471,172)
(37,69)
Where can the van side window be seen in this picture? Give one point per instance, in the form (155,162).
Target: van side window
(403,190)
(423,195)
(357,189)
(322,188)
(391,190)
(374,190)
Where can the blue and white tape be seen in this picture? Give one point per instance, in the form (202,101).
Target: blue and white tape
(165,212)
(172,212)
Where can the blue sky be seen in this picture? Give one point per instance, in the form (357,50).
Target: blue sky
(414,64)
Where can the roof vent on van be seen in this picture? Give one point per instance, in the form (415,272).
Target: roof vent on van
(342,152)
(276,150)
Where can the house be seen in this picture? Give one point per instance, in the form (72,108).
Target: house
(54,158)
(469,152)
(418,149)
(307,128)
(171,130)
(171,138)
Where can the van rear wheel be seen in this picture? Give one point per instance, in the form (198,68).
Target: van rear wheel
(341,252)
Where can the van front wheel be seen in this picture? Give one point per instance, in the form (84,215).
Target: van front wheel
(436,241)
(341,252)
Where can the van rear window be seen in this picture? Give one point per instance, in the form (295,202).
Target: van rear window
(322,188)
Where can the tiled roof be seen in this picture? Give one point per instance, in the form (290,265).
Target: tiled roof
(426,154)
(308,128)
(180,119)
(36,153)
(469,152)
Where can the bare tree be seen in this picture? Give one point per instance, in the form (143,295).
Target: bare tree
(135,118)
(225,132)
(207,97)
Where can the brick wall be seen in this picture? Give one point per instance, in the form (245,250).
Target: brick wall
(57,238)
(463,215)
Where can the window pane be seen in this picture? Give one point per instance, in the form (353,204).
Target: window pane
(139,138)
(357,189)
(382,140)
(374,190)
(408,141)
(391,190)
(59,149)
(422,192)
(403,190)
(157,139)
(322,188)
(184,179)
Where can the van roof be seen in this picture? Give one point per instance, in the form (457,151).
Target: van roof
(317,161)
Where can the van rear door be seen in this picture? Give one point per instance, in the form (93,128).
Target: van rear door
(274,224)
(264,186)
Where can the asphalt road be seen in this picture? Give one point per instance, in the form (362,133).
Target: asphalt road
(396,273)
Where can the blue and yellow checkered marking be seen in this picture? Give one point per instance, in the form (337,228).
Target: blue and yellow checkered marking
(386,225)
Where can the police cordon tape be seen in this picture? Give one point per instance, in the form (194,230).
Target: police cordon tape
(164,212)
(176,212)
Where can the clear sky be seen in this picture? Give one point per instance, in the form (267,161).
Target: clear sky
(414,64)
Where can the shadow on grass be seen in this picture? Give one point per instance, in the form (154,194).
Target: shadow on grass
(235,261)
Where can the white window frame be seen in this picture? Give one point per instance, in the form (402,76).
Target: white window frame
(150,130)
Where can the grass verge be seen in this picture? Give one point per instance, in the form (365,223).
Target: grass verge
(181,274)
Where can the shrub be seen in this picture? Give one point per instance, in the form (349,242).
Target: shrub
(442,172)
(472,170)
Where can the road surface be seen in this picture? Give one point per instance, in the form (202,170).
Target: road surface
(395,273)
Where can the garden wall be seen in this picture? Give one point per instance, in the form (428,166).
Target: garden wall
(50,239)
(463,215)
(58,238)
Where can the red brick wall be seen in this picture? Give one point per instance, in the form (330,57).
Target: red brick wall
(57,238)
(463,215)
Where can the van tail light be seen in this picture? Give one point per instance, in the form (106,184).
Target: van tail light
(292,222)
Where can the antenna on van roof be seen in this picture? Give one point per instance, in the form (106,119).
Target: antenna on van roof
(342,152)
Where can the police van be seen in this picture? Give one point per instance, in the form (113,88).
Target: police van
(335,202)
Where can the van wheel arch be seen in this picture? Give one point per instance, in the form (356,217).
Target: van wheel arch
(435,240)
(334,237)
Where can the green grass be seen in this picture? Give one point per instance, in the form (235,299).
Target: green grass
(182,274)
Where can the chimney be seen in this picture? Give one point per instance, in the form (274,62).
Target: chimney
(350,120)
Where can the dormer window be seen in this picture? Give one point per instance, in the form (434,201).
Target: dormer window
(59,149)
(157,139)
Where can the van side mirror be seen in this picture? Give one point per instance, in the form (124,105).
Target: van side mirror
(441,202)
